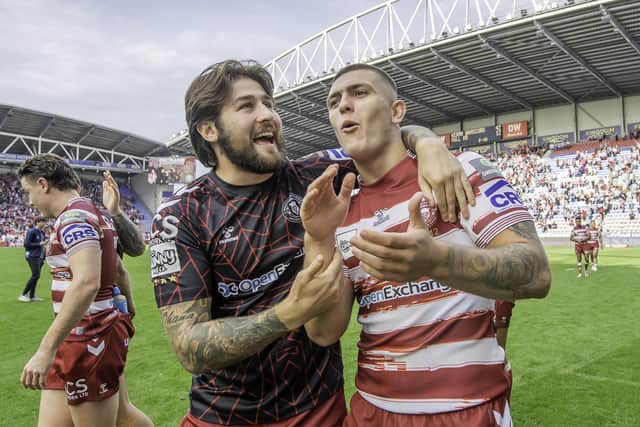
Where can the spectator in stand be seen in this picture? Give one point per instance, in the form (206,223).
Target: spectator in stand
(35,244)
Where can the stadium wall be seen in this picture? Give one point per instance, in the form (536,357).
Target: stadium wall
(561,118)
(149,194)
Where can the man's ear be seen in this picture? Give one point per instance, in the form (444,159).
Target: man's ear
(208,131)
(43,183)
(398,110)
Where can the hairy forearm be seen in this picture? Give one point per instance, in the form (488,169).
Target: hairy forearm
(206,345)
(129,235)
(76,302)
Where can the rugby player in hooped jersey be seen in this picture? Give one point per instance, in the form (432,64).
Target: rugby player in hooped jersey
(428,353)
(227,256)
(82,355)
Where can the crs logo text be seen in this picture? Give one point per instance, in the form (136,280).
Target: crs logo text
(165,226)
(76,390)
(501,195)
(78,232)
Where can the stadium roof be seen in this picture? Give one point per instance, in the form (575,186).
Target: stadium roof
(35,125)
(454,62)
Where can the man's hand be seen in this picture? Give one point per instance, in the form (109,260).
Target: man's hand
(399,257)
(34,374)
(111,194)
(312,292)
(323,211)
(442,178)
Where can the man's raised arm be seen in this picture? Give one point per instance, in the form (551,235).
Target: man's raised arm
(129,234)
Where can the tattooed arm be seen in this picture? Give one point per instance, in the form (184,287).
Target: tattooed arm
(129,234)
(513,266)
(203,344)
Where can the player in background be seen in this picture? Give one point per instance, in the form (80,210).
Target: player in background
(227,262)
(132,244)
(595,243)
(428,354)
(82,355)
(579,236)
(35,243)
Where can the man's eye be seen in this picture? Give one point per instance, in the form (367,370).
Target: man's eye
(244,106)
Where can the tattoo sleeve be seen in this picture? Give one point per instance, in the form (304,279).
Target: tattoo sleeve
(513,271)
(129,235)
(204,345)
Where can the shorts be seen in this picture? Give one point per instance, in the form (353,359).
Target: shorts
(582,249)
(89,370)
(494,413)
(329,414)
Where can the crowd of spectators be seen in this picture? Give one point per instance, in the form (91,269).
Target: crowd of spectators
(586,184)
(557,189)
(16,216)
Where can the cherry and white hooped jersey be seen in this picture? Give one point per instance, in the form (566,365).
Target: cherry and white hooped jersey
(425,347)
(82,225)
(580,234)
(593,236)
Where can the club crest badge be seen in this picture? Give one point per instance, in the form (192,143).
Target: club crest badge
(291,208)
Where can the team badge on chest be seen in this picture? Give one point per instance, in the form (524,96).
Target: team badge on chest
(291,208)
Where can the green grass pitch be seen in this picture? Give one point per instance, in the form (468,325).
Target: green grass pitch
(575,355)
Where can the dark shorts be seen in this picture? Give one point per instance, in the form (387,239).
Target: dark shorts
(490,414)
(89,370)
(328,414)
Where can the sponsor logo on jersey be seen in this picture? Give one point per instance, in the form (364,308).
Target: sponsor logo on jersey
(250,286)
(227,235)
(166,227)
(76,389)
(164,259)
(76,233)
(408,289)
(291,208)
(343,242)
(502,196)
(485,168)
(381,216)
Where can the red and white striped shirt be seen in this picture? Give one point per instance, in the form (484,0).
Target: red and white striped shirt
(594,235)
(580,234)
(81,225)
(425,347)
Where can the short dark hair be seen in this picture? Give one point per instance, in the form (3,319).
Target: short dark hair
(206,95)
(360,66)
(39,219)
(51,167)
